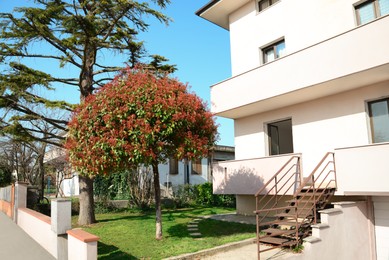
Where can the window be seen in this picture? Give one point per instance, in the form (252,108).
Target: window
(280,137)
(379,120)
(196,167)
(263,4)
(370,10)
(173,166)
(273,51)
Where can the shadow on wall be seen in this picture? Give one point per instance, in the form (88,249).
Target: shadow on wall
(242,181)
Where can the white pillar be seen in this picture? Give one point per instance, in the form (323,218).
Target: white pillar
(60,223)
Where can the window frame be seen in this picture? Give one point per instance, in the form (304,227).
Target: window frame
(370,116)
(272,46)
(197,167)
(376,8)
(173,166)
(271,3)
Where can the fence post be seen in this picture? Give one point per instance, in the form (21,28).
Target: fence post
(20,198)
(60,223)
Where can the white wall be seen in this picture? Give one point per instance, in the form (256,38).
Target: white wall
(38,226)
(319,126)
(302,23)
(381,214)
(178,179)
(71,187)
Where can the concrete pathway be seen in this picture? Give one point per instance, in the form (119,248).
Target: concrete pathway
(15,244)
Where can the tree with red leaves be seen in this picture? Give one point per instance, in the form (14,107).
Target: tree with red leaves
(139,118)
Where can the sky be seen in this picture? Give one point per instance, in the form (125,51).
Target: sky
(200,50)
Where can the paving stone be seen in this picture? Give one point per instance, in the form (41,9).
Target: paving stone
(195,234)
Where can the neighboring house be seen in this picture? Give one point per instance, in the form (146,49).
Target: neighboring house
(172,174)
(308,77)
(66,180)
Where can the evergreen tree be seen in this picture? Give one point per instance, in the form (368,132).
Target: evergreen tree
(79,35)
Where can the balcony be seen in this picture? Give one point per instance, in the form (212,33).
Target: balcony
(246,177)
(353,59)
(363,170)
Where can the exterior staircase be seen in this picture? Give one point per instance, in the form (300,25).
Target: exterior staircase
(288,204)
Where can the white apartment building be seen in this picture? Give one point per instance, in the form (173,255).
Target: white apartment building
(309,77)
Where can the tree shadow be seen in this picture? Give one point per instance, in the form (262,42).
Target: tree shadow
(243,180)
(212,228)
(140,217)
(110,252)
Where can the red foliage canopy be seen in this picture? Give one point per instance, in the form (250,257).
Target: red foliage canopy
(138,118)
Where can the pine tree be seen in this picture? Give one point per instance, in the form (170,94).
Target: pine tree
(78,35)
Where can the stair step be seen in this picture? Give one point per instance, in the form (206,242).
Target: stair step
(284,222)
(286,215)
(300,201)
(276,232)
(274,240)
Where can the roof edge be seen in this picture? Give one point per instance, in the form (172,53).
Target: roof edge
(206,7)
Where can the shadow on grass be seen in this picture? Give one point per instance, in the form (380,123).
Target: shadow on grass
(108,252)
(213,228)
(179,230)
(130,217)
(217,228)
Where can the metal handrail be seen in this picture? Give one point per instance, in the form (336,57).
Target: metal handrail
(309,183)
(275,175)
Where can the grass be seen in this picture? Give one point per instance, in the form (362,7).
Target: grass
(131,235)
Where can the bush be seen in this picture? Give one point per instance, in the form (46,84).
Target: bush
(5,177)
(200,195)
(183,196)
(204,196)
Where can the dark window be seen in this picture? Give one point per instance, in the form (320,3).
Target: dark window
(173,166)
(196,167)
(280,137)
(370,10)
(263,4)
(379,120)
(273,51)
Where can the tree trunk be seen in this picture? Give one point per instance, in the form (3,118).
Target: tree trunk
(87,211)
(157,191)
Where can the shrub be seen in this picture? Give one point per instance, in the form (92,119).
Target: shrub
(5,177)
(200,195)
(183,196)
(204,196)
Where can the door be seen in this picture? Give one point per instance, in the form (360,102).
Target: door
(280,137)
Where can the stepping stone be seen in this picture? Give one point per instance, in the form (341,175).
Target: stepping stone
(195,234)
(193,229)
(193,226)
(197,220)
(193,223)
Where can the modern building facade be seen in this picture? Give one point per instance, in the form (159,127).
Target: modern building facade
(308,78)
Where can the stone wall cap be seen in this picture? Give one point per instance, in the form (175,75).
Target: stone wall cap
(82,235)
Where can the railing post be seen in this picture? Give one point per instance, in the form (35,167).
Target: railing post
(314,199)
(333,162)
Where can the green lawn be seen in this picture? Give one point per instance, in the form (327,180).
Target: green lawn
(131,235)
